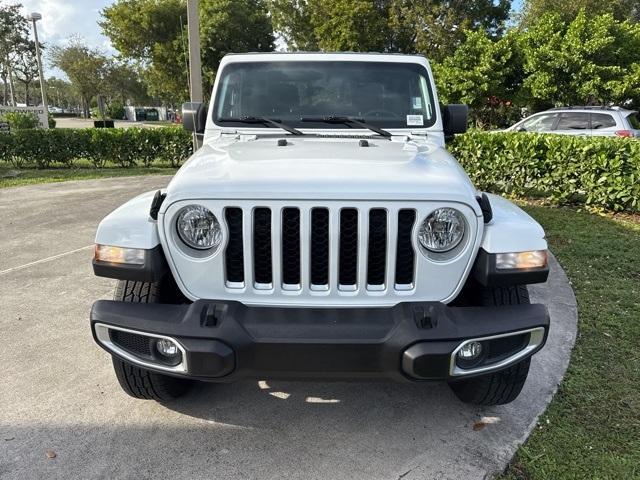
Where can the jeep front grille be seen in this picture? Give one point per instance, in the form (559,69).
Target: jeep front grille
(319,249)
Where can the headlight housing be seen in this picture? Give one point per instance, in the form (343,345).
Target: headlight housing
(198,228)
(442,230)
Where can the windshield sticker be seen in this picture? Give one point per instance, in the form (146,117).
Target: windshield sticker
(415,120)
(416,103)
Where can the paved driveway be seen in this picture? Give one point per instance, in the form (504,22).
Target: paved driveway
(58,392)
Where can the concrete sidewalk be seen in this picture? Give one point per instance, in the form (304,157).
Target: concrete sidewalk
(58,390)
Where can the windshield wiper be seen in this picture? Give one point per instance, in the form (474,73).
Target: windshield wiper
(347,121)
(274,122)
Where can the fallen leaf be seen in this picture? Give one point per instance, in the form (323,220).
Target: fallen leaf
(484,421)
(50,453)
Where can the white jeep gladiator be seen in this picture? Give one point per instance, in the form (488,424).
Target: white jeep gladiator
(321,231)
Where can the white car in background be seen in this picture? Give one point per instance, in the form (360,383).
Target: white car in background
(583,121)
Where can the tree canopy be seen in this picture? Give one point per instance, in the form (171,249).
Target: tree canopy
(533,10)
(432,27)
(153,33)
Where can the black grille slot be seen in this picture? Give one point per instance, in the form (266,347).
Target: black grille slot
(263,270)
(136,344)
(377,259)
(234,255)
(320,246)
(291,246)
(405,256)
(348,266)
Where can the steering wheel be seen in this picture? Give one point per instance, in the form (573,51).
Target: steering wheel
(384,112)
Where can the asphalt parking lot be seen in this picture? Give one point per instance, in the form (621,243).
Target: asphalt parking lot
(58,392)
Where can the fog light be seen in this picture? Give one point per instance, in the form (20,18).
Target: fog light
(167,348)
(168,352)
(470,351)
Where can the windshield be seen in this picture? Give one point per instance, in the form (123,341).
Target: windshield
(384,94)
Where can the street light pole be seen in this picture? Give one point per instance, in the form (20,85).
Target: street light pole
(195,63)
(34,17)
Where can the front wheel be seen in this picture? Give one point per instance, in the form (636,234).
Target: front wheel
(139,382)
(496,388)
(503,386)
(147,385)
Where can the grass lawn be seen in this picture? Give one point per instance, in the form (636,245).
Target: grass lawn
(29,176)
(592,427)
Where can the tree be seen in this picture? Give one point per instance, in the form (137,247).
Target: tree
(85,67)
(60,93)
(13,32)
(123,83)
(484,74)
(432,27)
(232,26)
(25,66)
(153,33)
(592,60)
(149,32)
(533,10)
(437,27)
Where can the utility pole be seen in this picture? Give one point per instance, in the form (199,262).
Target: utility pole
(195,63)
(34,17)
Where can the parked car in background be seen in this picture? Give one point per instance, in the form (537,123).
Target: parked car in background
(584,121)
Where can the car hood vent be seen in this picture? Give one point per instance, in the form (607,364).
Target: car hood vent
(331,135)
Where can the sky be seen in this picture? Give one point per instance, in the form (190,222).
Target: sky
(62,19)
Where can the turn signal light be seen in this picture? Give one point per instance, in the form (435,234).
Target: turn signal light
(107,253)
(624,133)
(521,260)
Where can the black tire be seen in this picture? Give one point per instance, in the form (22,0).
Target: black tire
(139,382)
(147,385)
(502,386)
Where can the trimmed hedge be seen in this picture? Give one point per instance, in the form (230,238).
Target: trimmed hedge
(599,172)
(124,147)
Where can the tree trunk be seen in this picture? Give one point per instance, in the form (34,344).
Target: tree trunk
(12,90)
(6,91)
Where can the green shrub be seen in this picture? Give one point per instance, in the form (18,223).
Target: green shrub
(115,111)
(600,172)
(123,147)
(21,120)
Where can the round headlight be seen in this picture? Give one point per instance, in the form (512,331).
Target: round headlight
(199,228)
(442,230)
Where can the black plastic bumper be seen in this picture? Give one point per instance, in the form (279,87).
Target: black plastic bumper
(226,341)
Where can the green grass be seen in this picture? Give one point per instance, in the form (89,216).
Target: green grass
(30,176)
(592,427)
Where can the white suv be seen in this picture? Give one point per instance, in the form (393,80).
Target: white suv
(584,121)
(322,231)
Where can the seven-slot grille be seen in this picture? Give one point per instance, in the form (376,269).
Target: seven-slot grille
(320,248)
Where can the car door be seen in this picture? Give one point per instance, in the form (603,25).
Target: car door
(540,123)
(573,123)
(603,125)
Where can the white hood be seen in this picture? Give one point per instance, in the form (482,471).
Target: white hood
(309,168)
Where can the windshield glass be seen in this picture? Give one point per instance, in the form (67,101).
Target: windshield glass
(384,94)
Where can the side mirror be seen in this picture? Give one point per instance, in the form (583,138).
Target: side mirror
(455,119)
(521,129)
(194,116)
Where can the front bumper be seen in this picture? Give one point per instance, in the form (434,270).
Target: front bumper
(227,341)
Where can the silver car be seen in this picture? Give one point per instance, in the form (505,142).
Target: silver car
(584,121)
